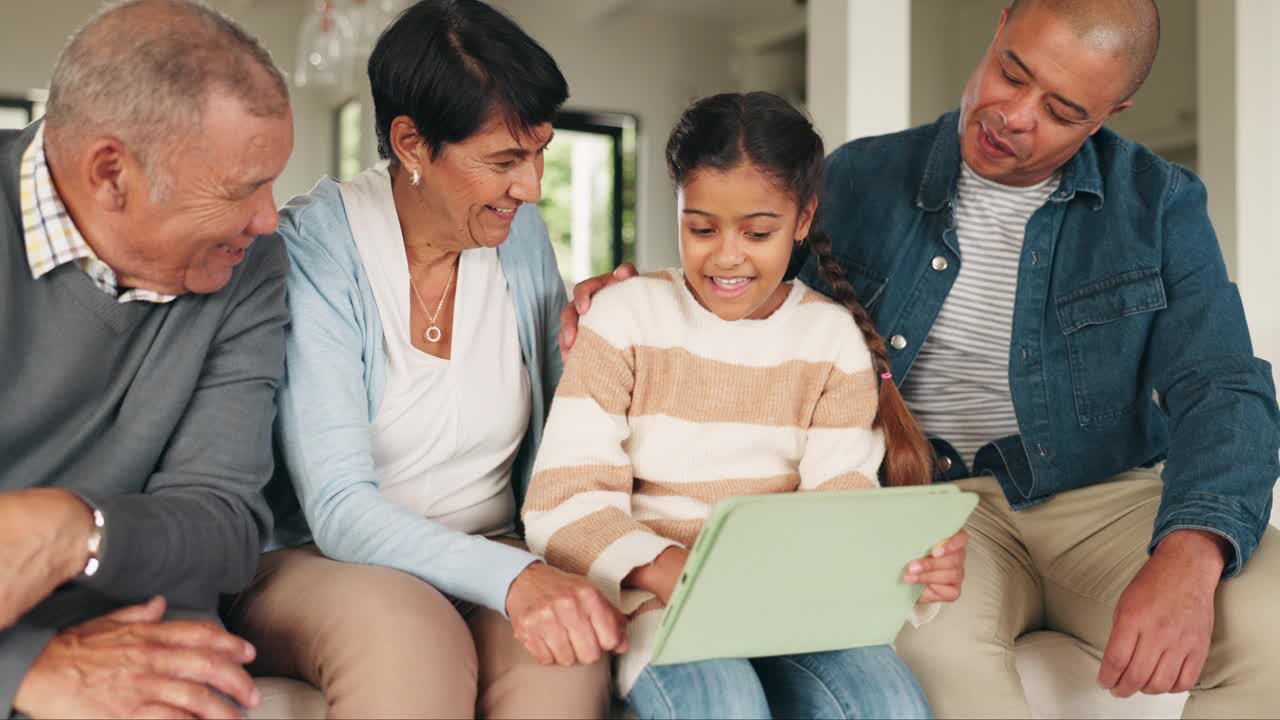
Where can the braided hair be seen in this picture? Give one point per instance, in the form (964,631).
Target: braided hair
(721,132)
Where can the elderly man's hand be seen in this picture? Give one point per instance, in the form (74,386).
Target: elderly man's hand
(130,664)
(562,618)
(582,294)
(45,536)
(1164,620)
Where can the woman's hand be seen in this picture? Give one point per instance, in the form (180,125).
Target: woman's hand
(942,571)
(582,293)
(562,618)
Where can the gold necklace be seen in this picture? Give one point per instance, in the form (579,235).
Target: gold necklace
(433,333)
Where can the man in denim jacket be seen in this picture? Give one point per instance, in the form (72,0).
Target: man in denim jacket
(1120,516)
(1033,271)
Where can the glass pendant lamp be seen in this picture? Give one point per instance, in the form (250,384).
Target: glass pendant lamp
(326,50)
(370,18)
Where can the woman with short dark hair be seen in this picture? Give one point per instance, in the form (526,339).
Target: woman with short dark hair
(425,301)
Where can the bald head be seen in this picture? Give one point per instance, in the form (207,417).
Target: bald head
(143,71)
(1129,29)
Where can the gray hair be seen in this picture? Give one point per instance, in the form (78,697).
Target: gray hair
(143,71)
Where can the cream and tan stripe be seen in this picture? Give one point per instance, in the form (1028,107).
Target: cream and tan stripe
(574,547)
(678,384)
(684,532)
(601,372)
(848,481)
(668,507)
(713,491)
(848,401)
(675,383)
(560,484)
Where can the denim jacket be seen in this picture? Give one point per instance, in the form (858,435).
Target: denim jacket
(1129,344)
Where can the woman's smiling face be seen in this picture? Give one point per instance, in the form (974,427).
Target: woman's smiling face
(737,230)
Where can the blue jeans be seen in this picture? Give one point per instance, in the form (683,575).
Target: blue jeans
(868,682)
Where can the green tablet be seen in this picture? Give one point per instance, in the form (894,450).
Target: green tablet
(805,572)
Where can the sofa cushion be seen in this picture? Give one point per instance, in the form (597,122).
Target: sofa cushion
(1058,674)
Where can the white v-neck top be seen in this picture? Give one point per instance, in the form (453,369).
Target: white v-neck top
(446,434)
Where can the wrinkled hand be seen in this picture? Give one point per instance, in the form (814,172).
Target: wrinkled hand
(131,664)
(45,535)
(562,618)
(942,571)
(582,294)
(1164,620)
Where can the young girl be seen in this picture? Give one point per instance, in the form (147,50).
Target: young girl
(718,379)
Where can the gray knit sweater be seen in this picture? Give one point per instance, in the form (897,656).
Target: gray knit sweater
(158,414)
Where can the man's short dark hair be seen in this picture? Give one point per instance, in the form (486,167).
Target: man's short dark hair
(452,65)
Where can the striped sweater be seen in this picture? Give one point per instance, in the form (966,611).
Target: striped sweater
(665,408)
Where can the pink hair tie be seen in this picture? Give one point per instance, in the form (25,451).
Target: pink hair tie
(886,376)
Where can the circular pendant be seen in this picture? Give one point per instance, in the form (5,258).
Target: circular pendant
(433,334)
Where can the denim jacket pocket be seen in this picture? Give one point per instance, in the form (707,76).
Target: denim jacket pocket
(1106,325)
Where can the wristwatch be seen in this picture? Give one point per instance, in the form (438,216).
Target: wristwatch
(95,544)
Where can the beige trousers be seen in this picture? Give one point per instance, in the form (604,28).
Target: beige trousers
(383,644)
(1062,566)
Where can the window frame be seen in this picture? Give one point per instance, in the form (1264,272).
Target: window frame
(27,105)
(612,124)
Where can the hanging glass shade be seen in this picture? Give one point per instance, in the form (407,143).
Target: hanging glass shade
(370,18)
(326,49)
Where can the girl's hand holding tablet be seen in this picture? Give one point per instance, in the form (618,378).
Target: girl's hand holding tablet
(941,572)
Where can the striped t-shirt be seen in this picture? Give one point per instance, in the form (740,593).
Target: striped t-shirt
(958,386)
(664,409)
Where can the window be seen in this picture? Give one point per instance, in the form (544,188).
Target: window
(589,193)
(347,131)
(16,113)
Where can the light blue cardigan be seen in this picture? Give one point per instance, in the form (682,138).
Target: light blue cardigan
(335,374)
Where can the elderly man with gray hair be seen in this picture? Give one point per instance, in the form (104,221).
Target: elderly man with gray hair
(141,343)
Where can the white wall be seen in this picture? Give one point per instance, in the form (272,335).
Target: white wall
(652,67)
(1216,124)
(1257,25)
(28,49)
(859,68)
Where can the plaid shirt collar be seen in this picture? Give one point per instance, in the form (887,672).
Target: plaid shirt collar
(52,239)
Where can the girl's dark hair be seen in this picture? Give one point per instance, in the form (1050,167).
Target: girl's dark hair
(451,65)
(724,131)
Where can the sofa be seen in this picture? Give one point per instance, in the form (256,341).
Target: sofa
(1056,672)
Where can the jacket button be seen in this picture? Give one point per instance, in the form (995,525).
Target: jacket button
(898,342)
(944,463)
(939,263)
